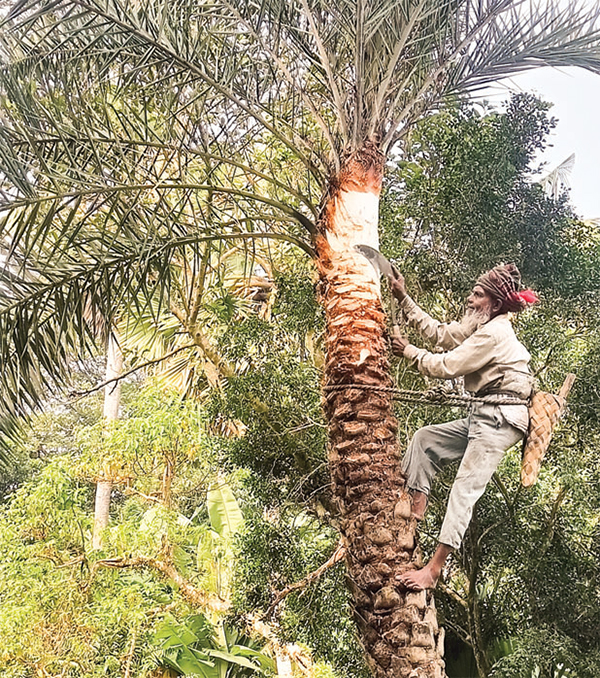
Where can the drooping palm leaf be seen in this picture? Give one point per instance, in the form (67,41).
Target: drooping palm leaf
(557,181)
(69,286)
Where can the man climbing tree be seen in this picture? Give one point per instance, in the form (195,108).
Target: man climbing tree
(483,349)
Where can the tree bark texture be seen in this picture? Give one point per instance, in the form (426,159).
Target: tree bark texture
(399,629)
(112,402)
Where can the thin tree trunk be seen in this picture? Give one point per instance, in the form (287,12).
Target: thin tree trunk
(101,512)
(112,401)
(399,629)
(167,480)
(471,564)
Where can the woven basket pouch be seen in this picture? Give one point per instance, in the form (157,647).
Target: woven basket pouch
(544,412)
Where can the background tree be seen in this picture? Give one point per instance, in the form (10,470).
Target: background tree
(112,404)
(523,546)
(325,92)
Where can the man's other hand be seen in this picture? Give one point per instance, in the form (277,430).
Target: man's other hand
(398,285)
(399,342)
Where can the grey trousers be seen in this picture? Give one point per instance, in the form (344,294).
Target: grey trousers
(479,442)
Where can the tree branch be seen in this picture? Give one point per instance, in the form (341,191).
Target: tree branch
(199,598)
(337,555)
(83,394)
(451,593)
(294,652)
(193,595)
(130,491)
(551,526)
(130,653)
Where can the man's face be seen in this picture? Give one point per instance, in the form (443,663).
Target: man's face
(479,302)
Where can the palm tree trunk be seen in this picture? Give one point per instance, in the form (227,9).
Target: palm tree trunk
(399,629)
(112,401)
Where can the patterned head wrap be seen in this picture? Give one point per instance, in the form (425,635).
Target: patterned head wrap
(503,283)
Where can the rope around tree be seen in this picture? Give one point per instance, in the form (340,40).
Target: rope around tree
(545,410)
(433,396)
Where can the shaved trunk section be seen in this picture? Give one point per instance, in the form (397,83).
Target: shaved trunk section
(399,629)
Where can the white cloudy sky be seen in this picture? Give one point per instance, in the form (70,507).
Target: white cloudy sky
(575,94)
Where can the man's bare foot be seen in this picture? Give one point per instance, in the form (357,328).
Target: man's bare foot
(418,580)
(418,504)
(427,577)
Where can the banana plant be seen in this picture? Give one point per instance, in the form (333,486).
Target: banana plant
(194,647)
(214,548)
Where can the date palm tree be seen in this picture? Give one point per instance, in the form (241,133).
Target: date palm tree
(133,128)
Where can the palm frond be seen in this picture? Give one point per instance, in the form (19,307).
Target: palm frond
(118,43)
(517,40)
(64,283)
(345,71)
(555,182)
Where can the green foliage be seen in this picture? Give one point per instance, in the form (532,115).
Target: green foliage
(54,614)
(161,130)
(48,619)
(192,648)
(276,399)
(57,612)
(51,432)
(553,655)
(283,546)
(468,202)
(528,569)
(120,164)
(159,433)
(296,307)
(272,407)
(461,200)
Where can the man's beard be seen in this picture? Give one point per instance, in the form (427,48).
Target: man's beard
(472,319)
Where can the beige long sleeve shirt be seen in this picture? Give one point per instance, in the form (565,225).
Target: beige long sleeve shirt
(491,356)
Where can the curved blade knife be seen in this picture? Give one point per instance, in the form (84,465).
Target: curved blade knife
(383,267)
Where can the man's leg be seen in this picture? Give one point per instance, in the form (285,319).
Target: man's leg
(431,448)
(418,504)
(489,438)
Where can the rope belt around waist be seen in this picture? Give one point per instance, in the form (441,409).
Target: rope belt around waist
(485,393)
(436,396)
(502,397)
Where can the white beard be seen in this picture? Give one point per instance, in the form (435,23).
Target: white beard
(472,319)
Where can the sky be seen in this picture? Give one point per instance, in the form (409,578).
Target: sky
(575,94)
